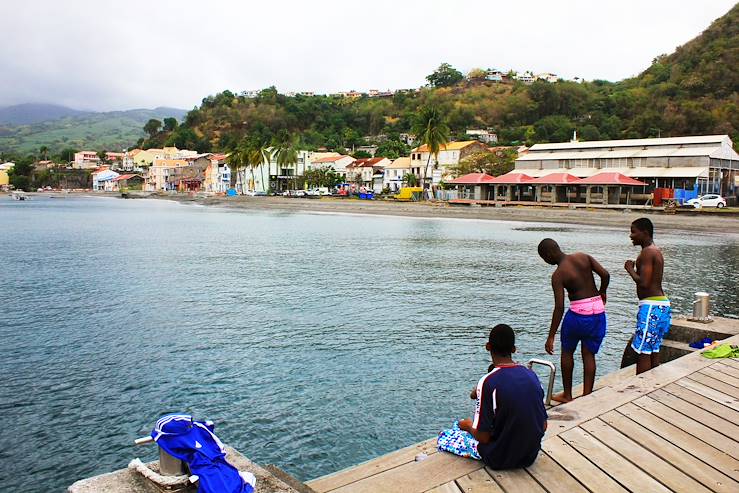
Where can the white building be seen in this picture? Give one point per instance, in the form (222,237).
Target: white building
(422,161)
(526,77)
(338,162)
(102,179)
(86,160)
(547,77)
(707,162)
(394,173)
(486,136)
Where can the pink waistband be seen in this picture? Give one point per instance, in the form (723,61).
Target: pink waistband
(588,306)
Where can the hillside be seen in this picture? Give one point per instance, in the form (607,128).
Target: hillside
(29,113)
(112,130)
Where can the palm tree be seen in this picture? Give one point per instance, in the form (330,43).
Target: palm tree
(265,152)
(236,163)
(432,131)
(410,179)
(286,152)
(44,152)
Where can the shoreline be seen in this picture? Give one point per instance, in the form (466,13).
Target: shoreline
(711,223)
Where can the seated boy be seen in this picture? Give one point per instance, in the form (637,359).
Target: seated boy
(510,418)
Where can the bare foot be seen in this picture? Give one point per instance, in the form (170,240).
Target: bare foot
(561,397)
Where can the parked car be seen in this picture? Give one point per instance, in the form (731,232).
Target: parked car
(708,200)
(255,193)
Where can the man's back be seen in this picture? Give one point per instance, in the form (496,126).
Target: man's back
(512,406)
(650,265)
(577,276)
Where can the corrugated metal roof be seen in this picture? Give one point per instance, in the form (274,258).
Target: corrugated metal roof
(473,179)
(693,139)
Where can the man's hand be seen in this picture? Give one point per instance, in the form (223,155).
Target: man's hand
(473,394)
(629,266)
(603,297)
(549,345)
(465,425)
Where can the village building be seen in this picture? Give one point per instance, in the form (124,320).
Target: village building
(4,177)
(127,182)
(217,174)
(86,160)
(487,136)
(102,179)
(394,172)
(423,162)
(158,174)
(698,164)
(338,162)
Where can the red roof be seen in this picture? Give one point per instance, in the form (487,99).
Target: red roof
(124,177)
(329,159)
(611,178)
(473,179)
(367,162)
(512,178)
(556,179)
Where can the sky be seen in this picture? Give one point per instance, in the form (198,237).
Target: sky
(109,55)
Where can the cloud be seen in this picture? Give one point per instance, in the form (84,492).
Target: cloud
(108,55)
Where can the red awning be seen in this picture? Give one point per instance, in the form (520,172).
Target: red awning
(511,178)
(473,179)
(557,179)
(611,178)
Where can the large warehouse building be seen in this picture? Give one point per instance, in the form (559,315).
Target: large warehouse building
(707,162)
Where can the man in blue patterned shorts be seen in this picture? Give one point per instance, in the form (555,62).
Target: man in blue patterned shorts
(655,315)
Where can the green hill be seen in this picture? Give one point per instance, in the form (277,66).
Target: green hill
(692,91)
(113,131)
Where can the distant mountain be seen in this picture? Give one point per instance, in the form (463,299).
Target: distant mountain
(113,131)
(29,113)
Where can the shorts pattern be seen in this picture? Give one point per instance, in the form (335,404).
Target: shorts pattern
(652,323)
(458,442)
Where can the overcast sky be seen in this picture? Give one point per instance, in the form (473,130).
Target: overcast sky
(109,54)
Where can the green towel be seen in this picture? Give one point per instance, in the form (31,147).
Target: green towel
(722,351)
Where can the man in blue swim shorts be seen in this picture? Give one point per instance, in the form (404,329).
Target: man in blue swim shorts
(585,321)
(655,314)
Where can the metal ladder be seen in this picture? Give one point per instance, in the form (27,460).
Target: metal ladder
(552,374)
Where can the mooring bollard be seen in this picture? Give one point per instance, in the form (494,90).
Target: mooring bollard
(702,308)
(168,465)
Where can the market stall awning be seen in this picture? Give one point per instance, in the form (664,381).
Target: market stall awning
(556,179)
(512,178)
(611,178)
(473,179)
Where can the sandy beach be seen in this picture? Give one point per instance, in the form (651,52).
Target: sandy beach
(717,222)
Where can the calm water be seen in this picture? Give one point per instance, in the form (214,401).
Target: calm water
(313,341)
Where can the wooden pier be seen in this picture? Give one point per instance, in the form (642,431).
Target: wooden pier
(675,428)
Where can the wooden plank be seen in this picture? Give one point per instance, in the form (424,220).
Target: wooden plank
(726,368)
(717,423)
(587,473)
(478,482)
(450,487)
(698,430)
(619,469)
(515,480)
(730,361)
(710,393)
(643,458)
(709,381)
(436,470)
(553,477)
(693,467)
(708,454)
(712,371)
(704,403)
(375,466)
(570,415)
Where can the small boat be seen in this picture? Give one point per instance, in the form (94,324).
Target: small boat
(19,195)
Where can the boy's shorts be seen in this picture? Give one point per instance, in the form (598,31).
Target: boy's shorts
(590,329)
(652,323)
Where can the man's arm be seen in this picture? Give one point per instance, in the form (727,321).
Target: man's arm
(559,310)
(480,436)
(605,277)
(642,278)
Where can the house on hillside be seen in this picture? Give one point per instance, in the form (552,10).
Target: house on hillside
(526,77)
(487,136)
(450,155)
(547,77)
(86,160)
(339,163)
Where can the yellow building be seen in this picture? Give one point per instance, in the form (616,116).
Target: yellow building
(4,178)
(159,172)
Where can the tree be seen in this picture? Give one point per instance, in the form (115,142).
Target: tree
(20,174)
(431,131)
(392,149)
(67,155)
(477,73)
(495,163)
(236,160)
(103,156)
(445,76)
(286,152)
(170,124)
(361,155)
(152,127)
(43,153)
(410,179)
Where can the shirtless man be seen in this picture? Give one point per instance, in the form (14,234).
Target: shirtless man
(655,316)
(585,320)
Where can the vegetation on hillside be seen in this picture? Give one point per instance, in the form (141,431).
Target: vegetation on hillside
(692,91)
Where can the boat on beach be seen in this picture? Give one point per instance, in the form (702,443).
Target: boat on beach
(19,195)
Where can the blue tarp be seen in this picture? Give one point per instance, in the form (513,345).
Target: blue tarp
(231,192)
